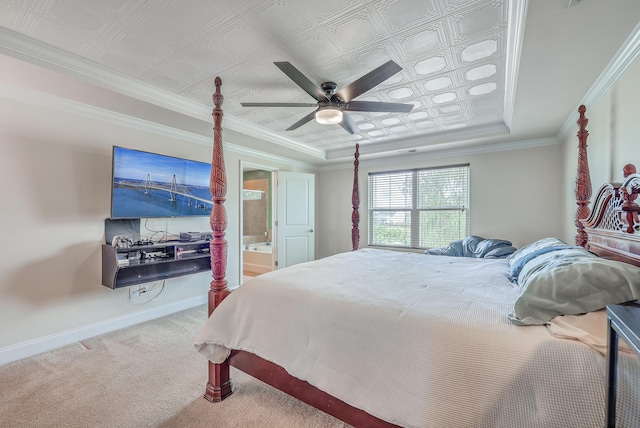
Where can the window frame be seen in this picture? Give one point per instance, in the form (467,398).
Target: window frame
(414,211)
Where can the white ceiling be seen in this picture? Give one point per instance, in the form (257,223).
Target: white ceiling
(479,73)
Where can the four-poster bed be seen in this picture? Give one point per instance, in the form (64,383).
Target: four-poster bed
(398,339)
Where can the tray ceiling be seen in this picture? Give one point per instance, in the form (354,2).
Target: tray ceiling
(459,59)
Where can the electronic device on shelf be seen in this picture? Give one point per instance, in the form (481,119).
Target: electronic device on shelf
(194,236)
(142,242)
(122,241)
(138,264)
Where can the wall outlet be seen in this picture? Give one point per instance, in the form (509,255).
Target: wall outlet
(136,291)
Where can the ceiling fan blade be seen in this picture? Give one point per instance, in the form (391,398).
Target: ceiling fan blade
(368,81)
(348,124)
(279,105)
(378,106)
(301,80)
(302,121)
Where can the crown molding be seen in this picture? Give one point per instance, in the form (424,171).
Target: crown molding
(51,57)
(518,12)
(423,142)
(247,128)
(269,157)
(36,98)
(445,151)
(626,56)
(39,53)
(40,99)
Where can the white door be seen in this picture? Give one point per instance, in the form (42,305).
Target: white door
(295,218)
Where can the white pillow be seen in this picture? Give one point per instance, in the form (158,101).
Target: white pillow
(571,282)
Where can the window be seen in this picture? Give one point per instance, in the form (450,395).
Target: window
(419,208)
(252,195)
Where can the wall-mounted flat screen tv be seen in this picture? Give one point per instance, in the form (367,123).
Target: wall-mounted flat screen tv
(149,185)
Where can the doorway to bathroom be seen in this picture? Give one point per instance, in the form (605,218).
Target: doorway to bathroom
(257,221)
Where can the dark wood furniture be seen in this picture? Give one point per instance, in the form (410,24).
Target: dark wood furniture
(623,321)
(139,264)
(583,179)
(613,228)
(219,384)
(355,202)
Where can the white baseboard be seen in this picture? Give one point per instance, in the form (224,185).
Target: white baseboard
(47,343)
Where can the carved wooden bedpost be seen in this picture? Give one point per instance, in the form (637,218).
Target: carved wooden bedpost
(355,201)
(583,180)
(219,384)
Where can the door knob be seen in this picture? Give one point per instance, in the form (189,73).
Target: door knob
(311,230)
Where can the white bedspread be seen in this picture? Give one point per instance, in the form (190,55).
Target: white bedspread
(416,340)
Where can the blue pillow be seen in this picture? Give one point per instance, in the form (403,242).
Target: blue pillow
(454,249)
(520,257)
(517,266)
(475,246)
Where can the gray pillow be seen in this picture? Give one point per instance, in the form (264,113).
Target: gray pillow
(475,246)
(541,243)
(520,257)
(569,282)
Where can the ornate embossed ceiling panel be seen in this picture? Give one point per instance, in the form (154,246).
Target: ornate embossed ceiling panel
(459,58)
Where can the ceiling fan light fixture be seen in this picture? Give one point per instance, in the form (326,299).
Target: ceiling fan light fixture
(329,116)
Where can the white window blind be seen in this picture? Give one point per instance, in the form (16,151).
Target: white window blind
(419,208)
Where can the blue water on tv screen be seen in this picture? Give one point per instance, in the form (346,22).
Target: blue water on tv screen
(149,185)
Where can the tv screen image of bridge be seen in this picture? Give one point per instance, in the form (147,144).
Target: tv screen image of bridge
(172,189)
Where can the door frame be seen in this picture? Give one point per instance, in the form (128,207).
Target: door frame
(253,166)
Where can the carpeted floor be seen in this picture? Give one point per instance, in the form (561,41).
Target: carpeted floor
(148,375)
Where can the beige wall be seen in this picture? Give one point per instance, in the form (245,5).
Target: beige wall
(514,196)
(55,197)
(614,134)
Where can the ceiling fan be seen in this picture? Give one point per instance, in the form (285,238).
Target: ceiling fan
(332,106)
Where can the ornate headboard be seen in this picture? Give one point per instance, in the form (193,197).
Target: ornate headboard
(613,228)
